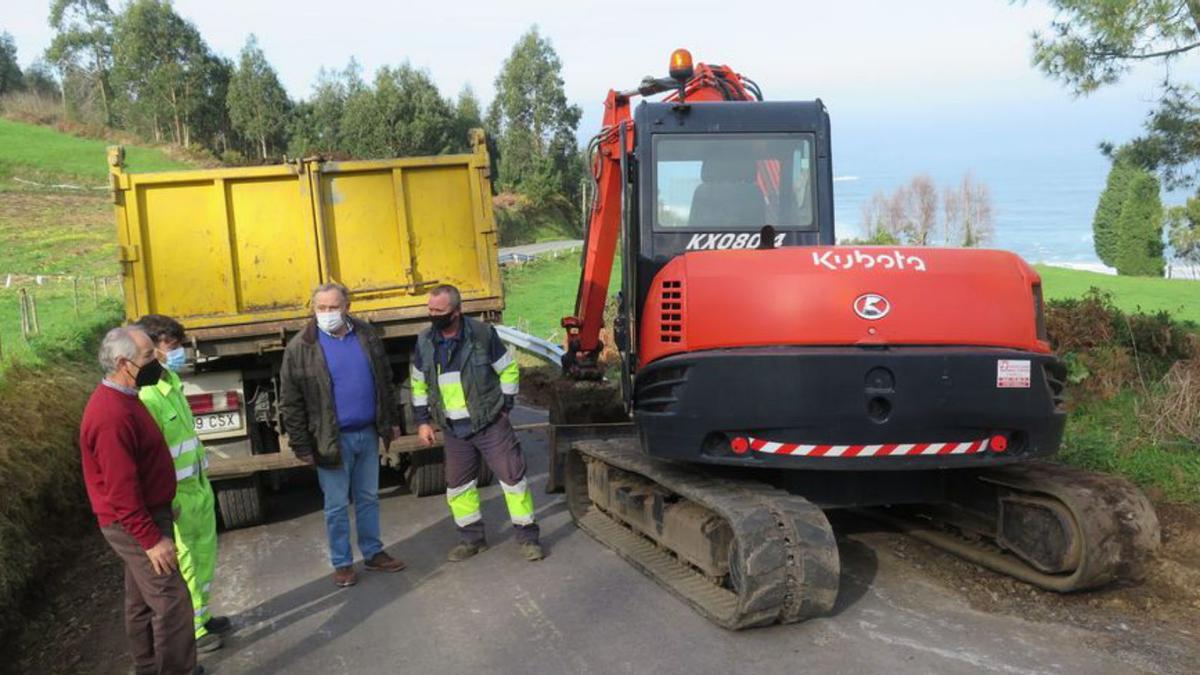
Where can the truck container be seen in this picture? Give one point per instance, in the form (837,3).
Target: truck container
(234,255)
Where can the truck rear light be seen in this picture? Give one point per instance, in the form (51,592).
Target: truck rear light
(203,404)
(998,443)
(740,445)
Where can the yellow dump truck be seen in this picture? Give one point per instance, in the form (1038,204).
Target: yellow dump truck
(234,254)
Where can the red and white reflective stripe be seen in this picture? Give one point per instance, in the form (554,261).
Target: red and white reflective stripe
(202,404)
(883,450)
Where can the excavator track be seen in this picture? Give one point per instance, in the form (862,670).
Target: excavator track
(1056,527)
(750,554)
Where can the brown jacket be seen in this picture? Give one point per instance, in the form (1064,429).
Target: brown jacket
(306,400)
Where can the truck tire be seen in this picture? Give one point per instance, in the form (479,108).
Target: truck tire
(240,502)
(426,473)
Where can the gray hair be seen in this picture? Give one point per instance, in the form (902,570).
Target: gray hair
(331,286)
(118,344)
(447,289)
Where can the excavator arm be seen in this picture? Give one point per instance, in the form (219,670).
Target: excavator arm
(607,152)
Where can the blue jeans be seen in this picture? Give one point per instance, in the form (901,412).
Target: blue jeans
(359,473)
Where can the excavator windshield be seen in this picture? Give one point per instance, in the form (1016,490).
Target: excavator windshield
(731,182)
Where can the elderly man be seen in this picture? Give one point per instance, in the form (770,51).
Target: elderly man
(130,483)
(195,518)
(337,405)
(465,381)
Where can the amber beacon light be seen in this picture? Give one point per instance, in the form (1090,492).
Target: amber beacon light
(681,65)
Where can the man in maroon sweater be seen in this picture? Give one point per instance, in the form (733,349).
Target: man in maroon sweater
(130,479)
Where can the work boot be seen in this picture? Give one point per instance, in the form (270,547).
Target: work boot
(209,642)
(532,551)
(382,562)
(218,624)
(466,550)
(344,576)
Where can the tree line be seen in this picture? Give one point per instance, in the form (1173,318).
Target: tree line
(919,214)
(147,70)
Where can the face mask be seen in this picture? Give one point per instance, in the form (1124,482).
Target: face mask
(330,322)
(176,358)
(148,374)
(442,321)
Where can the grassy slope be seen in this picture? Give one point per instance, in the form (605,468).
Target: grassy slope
(539,294)
(61,232)
(1179,297)
(38,153)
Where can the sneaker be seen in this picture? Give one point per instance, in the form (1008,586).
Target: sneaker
(209,642)
(218,624)
(466,550)
(382,562)
(532,551)
(344,576)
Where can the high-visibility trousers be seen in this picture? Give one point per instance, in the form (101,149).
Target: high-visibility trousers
(196,543)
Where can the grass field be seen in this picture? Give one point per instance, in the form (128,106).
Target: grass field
(58,232)
(40,154)
(539,294)
(1178,297)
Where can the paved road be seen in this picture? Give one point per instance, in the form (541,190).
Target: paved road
(583,610)
(542,248)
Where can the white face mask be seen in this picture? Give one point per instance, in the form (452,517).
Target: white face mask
(330,322)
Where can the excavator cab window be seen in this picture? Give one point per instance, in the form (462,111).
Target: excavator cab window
(733,182)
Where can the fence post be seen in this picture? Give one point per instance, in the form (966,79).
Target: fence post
(95,292)
(22,301)
(37,326)
(75,294)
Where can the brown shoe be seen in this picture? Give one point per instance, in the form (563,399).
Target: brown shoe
(344,576)
(382,562)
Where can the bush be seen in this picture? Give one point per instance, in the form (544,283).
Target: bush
(44,506)
(520,221)
(27,106)
(1139,228)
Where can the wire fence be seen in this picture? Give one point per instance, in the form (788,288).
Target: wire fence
(33,304)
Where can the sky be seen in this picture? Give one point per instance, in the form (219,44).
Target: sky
(872,62)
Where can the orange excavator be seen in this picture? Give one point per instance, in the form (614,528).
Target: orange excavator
(772,375)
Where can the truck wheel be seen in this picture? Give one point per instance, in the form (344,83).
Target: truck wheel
(240,502)
(486,476)
(426,474)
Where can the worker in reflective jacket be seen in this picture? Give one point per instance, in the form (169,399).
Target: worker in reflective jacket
(195,518)
(464,380)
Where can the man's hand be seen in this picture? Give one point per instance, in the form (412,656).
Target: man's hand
(425,431)
(162,557)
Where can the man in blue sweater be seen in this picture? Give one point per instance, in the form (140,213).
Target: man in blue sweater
(337,406)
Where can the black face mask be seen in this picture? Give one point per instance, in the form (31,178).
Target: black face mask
(442,321)
(149,374)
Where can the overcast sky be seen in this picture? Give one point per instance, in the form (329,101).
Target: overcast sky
(868,60)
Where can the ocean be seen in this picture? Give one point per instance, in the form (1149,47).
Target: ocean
(1044,176)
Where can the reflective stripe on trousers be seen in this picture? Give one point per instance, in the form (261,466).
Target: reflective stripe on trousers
(464,504)
(519,499)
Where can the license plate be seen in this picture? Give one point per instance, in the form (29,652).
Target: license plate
(223,421)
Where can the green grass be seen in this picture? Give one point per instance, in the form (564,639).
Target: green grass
(1178,297)
(1109,435)
(39,153)
(539,294)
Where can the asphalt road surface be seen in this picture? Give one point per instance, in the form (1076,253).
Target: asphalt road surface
(582,609)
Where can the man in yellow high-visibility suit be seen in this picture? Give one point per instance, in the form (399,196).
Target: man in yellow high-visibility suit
(195,517)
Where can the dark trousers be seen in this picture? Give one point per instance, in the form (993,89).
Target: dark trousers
(158,609)
(498,445)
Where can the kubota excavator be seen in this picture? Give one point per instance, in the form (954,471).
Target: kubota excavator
(772,375)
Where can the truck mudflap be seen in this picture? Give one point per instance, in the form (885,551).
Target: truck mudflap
(852,408)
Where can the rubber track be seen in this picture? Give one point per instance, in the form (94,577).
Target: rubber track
(1115,521)
(785,553)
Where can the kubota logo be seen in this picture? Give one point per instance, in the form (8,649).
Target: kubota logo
(871,306)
